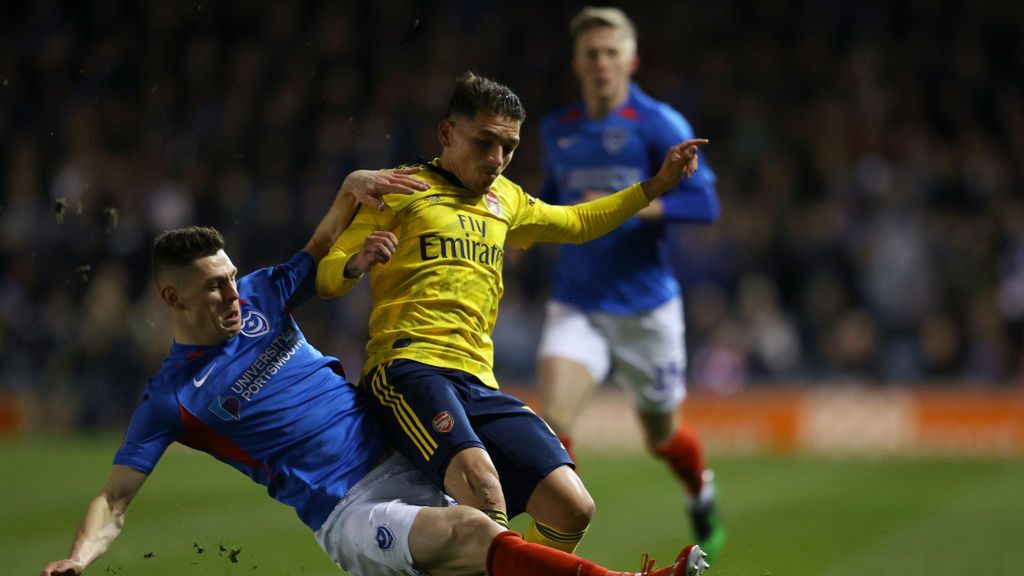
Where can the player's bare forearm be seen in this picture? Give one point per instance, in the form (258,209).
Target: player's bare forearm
(102,523)
(680,162)
(338,217)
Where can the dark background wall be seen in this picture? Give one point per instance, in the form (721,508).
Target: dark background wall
(869,159)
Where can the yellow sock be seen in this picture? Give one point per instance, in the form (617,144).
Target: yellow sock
(542,534)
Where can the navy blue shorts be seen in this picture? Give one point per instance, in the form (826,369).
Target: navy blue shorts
(430,414)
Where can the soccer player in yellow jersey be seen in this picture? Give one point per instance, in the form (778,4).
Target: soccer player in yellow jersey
(435,304)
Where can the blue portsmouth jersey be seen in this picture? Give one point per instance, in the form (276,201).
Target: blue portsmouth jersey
(626,271)
(264,401)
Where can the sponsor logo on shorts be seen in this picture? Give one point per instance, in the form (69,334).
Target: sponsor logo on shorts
(443,422)
(385,539)
(255,324)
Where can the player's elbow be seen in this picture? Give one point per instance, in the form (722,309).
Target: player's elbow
(706,210)
(330,275)
(328,291)
(709,210)
(581,231)
(323,292)
(325,287)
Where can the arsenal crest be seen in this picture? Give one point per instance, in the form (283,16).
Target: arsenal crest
(493,204)
(443,422)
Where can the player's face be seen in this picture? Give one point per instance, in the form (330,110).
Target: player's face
(477,150)
(209,299)
(604,59)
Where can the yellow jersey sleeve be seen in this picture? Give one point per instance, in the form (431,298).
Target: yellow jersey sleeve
(330,272)
(536,221)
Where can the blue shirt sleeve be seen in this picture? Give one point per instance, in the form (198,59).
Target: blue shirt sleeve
(296,279)
(549,189)
(154,425)
(695,198)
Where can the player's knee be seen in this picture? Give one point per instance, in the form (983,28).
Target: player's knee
(574,514)
(654,444)
(470,530)
(487,488)
(580,512)
(561,501)
(484,484)
(471,479)
(452,540)
(659,429)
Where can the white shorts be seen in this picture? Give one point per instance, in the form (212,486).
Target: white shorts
(647,350)
(367,534)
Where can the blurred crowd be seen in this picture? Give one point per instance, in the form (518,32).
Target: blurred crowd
(869,157)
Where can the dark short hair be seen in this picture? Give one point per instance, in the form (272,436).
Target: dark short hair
(182,246)
(473,93)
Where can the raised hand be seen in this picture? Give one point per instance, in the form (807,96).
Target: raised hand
(368,186)
(680,162)
(63,568)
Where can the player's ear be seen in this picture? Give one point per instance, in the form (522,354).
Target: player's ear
(634,63)
(444,132)
(169,294)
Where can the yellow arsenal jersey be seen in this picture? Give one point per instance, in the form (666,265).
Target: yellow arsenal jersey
(436,301)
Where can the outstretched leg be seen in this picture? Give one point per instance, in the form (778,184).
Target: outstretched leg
(509,555)
(672,440)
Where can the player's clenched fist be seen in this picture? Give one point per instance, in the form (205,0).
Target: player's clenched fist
(378,248)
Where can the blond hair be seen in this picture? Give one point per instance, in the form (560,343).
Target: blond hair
(597,17)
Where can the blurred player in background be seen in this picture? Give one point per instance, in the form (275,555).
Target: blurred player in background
(430,363)
(242,384)
(616,306)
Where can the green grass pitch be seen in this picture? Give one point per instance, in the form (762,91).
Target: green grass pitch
(787,516)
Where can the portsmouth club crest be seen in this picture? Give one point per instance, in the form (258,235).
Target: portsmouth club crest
(385,538)
(255,324)
(492,203)
(443,422)
(614,139)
